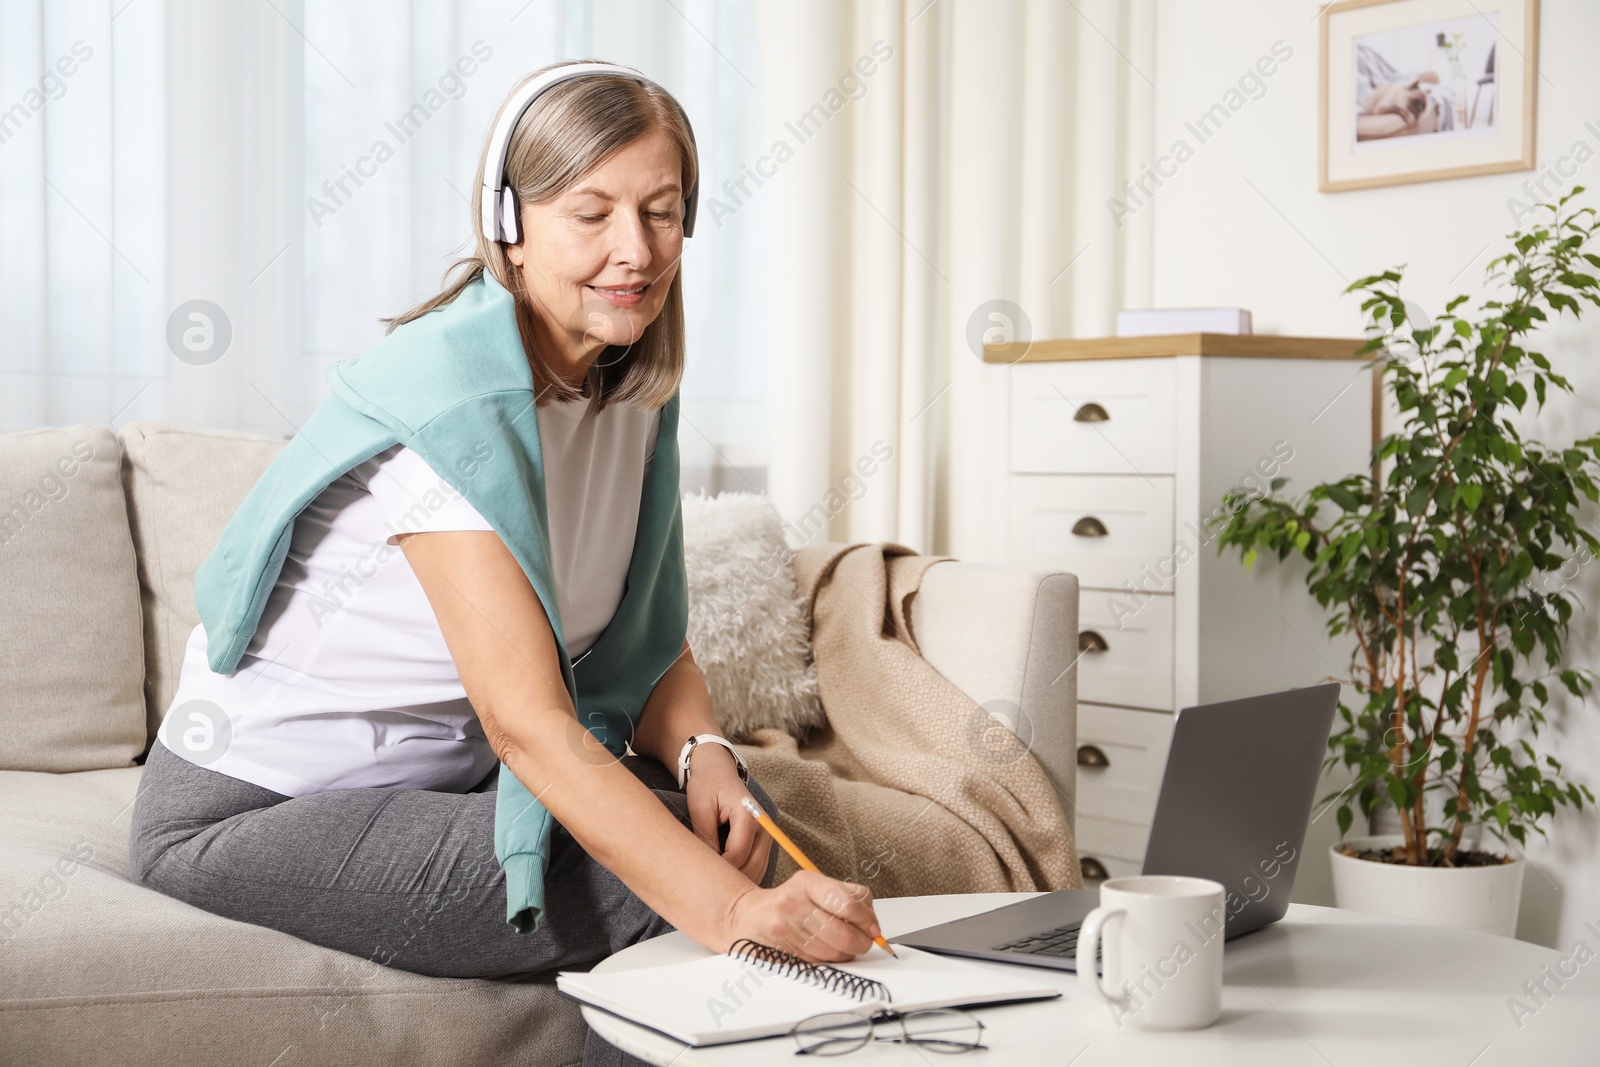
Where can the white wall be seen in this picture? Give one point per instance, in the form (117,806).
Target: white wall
(1242,224)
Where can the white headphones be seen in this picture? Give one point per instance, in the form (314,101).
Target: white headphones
(499,202)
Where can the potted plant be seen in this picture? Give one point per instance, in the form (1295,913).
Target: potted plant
(1450,575)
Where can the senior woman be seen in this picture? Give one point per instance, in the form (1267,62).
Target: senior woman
(331,762)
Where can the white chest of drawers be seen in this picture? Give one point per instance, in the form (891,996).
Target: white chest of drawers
(1118,454)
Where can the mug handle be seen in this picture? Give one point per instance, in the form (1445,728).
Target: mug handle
(1088,943)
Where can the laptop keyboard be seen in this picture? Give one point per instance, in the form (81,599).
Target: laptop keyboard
(1060,941)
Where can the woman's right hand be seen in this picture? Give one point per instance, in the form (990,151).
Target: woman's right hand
(819,919)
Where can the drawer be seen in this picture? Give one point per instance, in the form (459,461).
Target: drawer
(1131,649)
(1122,755)
(1113,416)
(1110,842)
(1105,528)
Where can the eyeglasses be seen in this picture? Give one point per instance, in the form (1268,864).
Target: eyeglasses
(937,1030)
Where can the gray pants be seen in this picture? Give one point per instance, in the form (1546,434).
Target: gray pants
(355,869)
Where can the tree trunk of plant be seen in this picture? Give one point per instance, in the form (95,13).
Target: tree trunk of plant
(1468,738)
(1412,825)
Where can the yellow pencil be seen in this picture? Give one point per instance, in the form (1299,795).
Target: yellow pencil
(795,854)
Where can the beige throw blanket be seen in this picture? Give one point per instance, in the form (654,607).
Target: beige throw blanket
(911,788)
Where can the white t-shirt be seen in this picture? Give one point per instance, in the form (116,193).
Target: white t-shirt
(347,682)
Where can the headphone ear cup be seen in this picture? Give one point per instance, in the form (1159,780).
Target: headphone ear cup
(509,228)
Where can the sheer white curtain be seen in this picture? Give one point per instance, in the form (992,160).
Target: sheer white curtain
(972,165)
(873,172)
(304,168)
(82,244)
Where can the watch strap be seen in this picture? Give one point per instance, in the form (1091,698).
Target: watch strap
(702,739)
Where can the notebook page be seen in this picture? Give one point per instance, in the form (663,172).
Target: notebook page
(722,998)
(921,979)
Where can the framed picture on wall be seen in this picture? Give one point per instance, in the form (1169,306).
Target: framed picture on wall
(1419,90)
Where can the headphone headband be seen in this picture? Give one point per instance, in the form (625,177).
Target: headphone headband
(498,203)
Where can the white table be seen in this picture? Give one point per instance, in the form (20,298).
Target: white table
(1323,988)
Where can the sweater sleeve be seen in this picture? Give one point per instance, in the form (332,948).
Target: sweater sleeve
(522,829)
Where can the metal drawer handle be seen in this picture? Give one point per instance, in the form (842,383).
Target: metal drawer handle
(1089,526)
(1091,641)
(1092,869)
(1091,412)
(1092,756)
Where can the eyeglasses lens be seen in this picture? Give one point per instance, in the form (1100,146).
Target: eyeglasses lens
(942,1031)
(832,1035)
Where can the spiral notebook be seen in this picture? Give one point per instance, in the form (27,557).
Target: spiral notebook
(757,991)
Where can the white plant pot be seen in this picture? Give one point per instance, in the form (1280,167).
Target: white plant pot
(1473,898)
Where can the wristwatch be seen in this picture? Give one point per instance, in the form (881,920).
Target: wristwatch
(712,739)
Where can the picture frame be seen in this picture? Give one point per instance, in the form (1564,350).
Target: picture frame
(1425,90)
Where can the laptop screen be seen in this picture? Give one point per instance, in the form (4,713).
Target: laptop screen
(1237,794)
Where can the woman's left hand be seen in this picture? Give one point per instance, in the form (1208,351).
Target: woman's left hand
(715,792)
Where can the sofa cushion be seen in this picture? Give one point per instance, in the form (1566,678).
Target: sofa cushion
(96,969)
(746,629)
(71,658)
(183,486)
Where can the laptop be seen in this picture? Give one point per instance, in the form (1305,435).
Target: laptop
(1235,801)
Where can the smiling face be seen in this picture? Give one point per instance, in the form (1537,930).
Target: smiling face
(618,228)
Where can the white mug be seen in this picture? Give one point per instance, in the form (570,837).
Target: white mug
(1160,938)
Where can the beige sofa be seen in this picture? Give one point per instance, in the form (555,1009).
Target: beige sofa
(100,535)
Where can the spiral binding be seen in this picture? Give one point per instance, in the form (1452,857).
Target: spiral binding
(792,966)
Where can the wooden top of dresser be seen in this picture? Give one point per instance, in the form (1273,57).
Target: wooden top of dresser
(1257,346)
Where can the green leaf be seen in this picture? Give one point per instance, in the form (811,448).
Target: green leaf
(1417,499)
(1343,497)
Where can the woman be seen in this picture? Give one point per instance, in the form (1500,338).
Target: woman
(341,782)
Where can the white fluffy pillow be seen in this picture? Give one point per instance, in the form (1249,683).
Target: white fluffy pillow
(745,625)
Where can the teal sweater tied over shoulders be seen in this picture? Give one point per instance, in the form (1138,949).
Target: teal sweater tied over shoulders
(455,387)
